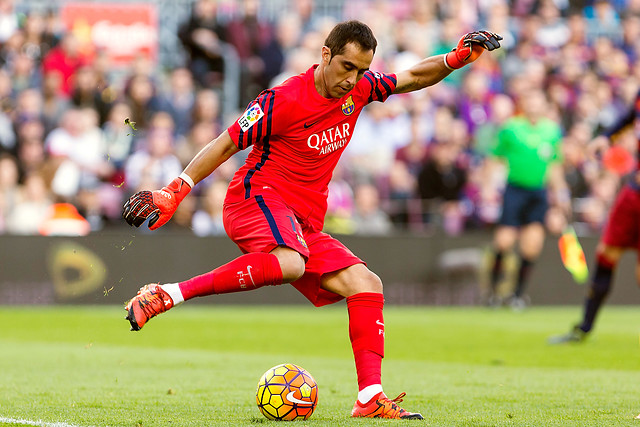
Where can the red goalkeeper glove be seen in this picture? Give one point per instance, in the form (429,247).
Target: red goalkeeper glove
(470,47)
(156,206)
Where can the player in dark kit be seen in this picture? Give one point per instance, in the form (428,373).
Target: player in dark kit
(621,232)
(275,205)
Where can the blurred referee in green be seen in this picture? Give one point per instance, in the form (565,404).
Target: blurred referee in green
(530,145)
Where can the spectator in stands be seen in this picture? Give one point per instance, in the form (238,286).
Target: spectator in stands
(340,204)
(79,152)
(37,40)
(630,36)
(24,72)
(286,36)
(118,137)
(206,109)
(414,153)
(304,9)
(202,37)
(9,23)
(87,92)
(29,106)
(441,182)
(140,94)
(31,207)
(200,134)
(475,98)
(8,187)
(54,104)
(382,129)
(401,190)
(207,220)
(30,153)
(249,34)
(368,216)
(178,100)
(296,61)
(579,169)
(7,134)
(602,22)
(501,108)
(403,174)
(155,162)
(65,59)
(553,31)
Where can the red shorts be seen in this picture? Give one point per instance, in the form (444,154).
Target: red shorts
(264,222)
(622,229)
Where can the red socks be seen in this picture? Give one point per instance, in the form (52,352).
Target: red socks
(254,270)
(366,331)
(250,271)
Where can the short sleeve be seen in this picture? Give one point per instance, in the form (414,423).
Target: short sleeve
(256,123)
(378,86)
(502,140)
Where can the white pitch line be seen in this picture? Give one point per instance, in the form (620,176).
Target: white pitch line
(34,423)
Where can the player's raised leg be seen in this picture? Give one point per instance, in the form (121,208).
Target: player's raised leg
(275,253)
(365,301)
(247,272)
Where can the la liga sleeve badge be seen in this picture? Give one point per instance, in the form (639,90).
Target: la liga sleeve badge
(250,117)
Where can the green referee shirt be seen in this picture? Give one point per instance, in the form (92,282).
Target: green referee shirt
(529,150)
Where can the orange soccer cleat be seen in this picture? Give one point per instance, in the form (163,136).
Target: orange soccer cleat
(383,407)
(150,301)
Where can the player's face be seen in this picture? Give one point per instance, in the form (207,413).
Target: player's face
(342,72)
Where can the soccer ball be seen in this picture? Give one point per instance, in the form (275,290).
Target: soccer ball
(287,392)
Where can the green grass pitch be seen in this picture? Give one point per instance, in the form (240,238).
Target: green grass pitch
(199,365)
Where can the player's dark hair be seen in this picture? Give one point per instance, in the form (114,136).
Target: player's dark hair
(350,32)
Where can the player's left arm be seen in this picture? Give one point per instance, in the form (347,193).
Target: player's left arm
(433,69)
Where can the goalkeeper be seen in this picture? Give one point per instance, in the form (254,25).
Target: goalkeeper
(275,205)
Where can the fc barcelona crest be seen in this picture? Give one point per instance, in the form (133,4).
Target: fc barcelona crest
(348,106)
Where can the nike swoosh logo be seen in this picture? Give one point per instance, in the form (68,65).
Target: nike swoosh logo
(292,399)
(379,323)
(308,125)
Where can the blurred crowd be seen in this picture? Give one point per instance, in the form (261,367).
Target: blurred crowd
(416,161)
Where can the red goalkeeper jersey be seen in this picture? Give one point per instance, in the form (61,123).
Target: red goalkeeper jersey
(297,137)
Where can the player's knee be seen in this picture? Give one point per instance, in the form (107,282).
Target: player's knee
(292,267)
(369,282)
(505,237)
(291,262)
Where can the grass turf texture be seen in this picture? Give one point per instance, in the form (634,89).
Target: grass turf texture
(199,366)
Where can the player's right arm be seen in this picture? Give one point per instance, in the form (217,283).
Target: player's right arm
(160,205)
